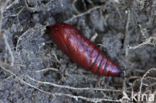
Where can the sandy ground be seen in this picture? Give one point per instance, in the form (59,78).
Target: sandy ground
(34,70)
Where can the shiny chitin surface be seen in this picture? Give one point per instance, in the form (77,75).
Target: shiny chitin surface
(81,50)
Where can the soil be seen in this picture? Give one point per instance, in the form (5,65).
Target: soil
(34,70)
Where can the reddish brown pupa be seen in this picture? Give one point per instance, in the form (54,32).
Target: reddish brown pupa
(81,50)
